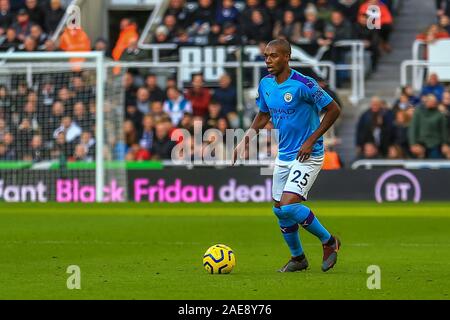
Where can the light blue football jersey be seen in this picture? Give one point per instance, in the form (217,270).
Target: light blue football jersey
(295,106)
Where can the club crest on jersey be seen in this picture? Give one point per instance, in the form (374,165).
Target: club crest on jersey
(288,97)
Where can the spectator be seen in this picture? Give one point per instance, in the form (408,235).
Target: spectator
(176,105)
(10,152)
(227,12)
(75,39)
(409,93)
(187,123)
(274,12)
(227,96)
(198,95)
(230,35)
(297,7)
(146,139)
(53,120)
(80,154)
(258,28)
(81,117)
(370,151)
(400,136)
(375,127)
(22,26)
(37,151)
(102,45)
(50,46)
(81,91)
(62,148)
(3,128)
(386,21)
(371,39)
(203,16)
(250,6)
(443,7)
(6,17)
(395,152)
(444,23)
(5,153)
(130,88)
(342,27)
(402,104)
(35,12)
(39,36)
(178,9)
(128,34)
(349,8)
(170,22)
(137,153)
(428,133)
(171,82)
(433,87)
(157,110)
(133,114)
(183,38)
(444,107)
(11,41)
(162,35)
(288,28)
(23,136)
(88,143)
(213,115)
(433,33)
(29,45)
(30,112)
(143,100)
(70,129)
(53,16)
(133,53)
(156,93)
(162,144)
(324,10)
(312,20)
(131,134)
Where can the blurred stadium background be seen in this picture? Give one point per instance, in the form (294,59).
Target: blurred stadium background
(172,64)
(81,126)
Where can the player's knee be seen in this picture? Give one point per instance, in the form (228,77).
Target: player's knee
(278,212)
(285,220)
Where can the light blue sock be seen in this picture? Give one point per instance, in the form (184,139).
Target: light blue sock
(306,218)
(289,228)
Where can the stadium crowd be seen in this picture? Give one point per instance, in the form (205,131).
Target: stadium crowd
(416,126)
(313,25)
(56,118)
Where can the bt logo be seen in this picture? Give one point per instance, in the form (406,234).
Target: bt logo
(397,185)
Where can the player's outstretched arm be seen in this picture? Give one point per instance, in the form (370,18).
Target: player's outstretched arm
(332,113)
(260,121)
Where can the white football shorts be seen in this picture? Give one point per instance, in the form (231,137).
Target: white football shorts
(295,177)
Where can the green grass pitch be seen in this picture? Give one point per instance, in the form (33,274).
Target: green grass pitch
(142,251)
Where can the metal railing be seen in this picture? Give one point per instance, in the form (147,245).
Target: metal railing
(418,71)
(356,67)
(407,164)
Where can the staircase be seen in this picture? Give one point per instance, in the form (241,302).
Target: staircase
(413,17)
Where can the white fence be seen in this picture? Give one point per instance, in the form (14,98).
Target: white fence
(407,164)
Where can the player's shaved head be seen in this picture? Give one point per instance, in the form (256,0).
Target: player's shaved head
(282,44)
